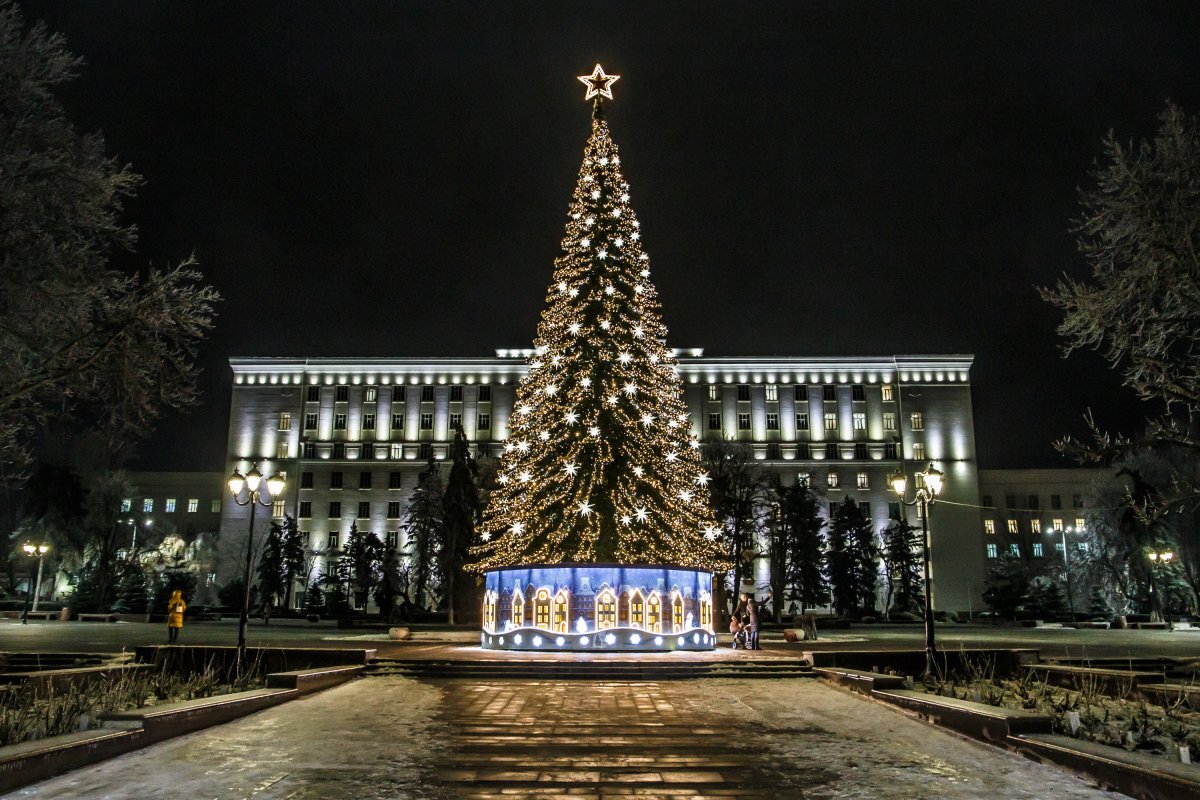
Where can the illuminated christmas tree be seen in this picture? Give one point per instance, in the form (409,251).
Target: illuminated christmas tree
(600,465)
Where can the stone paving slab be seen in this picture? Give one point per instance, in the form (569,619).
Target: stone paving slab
(401,739)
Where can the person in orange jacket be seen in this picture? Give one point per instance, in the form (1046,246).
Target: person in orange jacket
(175,609)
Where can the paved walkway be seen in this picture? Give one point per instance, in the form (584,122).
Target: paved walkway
(403,739)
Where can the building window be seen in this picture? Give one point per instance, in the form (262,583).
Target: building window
(364,510)
(425,451)
(991,550)
(802,421)
(397,394)
(1055,502)
(773,452)
(1010,501)
(339,422)
(485,394)
(860,421)
(277,508)
(1057,525)
(889,450)
(147,505)
(831,480)
(1076,501)
(714,422)
(831,451)
(1037,549)
(484,422)
(772,422)
(398,423)
(427,422)
(743,393)
(305,509)
(368,422)
(1014,549)
(426,394)
(335,509)
(865,507)
(332,542)
(802,478)
(455,394)
(335,480)
(772,392)
(831,421)
(310,422)
(397,451)
(394,480)
(339,450)
(889,420)
(1012,526)
(393,509)
(918,451)
(392,539)
(989,526)
(214,507)
(987,501)
(455,421)
(893,511)
(886,390)
(193,505)
(1079,523)
(743,422)
(862,481)
(370,394)
(169,505)
(918,421)
(313,394)
(800,394)
(126,505)
(282,450)
(1034,502)
(1058,548)
(309,450)
(485,449)
(341,394)
(306,480)
(860,451)
(364,480)
(285,421)
(829,393)
(858,392)
(714,392)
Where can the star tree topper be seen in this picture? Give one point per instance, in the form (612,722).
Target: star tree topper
(598,83)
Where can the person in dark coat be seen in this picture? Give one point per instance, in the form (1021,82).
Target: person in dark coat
(749,615)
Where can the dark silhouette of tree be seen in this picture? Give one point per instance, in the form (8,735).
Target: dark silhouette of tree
(1007,585)
(800,539)
(361,563)
(740,493)
(423,524)
(394,582)
(903,567)
(270,568)
(461,512)
(293,557)
(853,559)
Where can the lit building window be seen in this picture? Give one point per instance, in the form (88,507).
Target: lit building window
(193,505)
(862,481)
(369,394)
(802,478)
(860,421)
(676,612)
(772,392)
(832,480)
(285,421)
(886,390)
(1012,526)
(1037,549)
(518,601)
(918,451)
(606,609)
(705,610)
(654,613)
(397,451)
(991,550)
(562,611)
(989,526)
(169,505)
(889,421)
(918,421)
(772,422)
(126,505)
(147,505)
(831,421)
(1014,549)
(637,610)
(541,609)
(277,508)
(1057,524)
(1079,523)
(714,392)
(331,543)
(281,451)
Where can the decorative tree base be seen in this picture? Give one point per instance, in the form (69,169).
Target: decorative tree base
(598,608)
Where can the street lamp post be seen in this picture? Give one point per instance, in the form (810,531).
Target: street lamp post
(928,486)
(1159,559)
(250,483)
(40,551)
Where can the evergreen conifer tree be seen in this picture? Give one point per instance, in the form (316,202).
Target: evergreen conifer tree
(270,566)
(802,531)
(1007,585)
(423,522)
(853,559)
(600,465)
(460,514)
(902,556)
(293,556)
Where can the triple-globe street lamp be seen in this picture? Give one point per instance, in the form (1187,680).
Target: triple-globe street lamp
(35,588)
(1159,559)
(250,485)
(928,487)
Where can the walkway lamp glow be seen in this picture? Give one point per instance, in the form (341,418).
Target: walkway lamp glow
(35,588)
(928,487)
(254,498)
(1159,559)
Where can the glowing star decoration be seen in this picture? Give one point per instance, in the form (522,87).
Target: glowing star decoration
(570,418)
(486,536)
(574,328)
(594,431)
(522,447)
(525,409)
(544,436)
(551,390)
(711,533)
(501,479)
(685,496)
(626,519)
(630,389)
(562,287)
(625,358)
(642,515)
(570,468)
(585,509)
(574,292)
(517,527)
(605,324)
(702,479)
(585,382)
(671,456)
(648,420)
(598,83)
(639,471)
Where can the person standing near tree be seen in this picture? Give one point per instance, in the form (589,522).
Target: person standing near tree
(175,608)
(748,612)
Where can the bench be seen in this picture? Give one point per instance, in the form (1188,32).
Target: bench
(1114,682)
(46,615)
(97,617)
(305,681)
(860,680)
(981,721)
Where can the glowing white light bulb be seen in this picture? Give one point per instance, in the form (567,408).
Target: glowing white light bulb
(610,639)
(595,194)
(604,161)
(609,289)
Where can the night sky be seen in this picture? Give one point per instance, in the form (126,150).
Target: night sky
(391,179)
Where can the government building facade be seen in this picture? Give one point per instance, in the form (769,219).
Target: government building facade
(352,436)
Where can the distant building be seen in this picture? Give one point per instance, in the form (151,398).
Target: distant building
(352,435)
